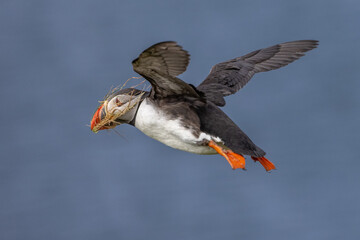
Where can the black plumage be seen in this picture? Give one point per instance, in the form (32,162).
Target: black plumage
(189,118)
(162,62)
(228,77)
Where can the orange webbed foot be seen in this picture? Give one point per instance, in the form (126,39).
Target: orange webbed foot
(265,162)
(235,160)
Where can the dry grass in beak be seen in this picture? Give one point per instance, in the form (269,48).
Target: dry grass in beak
(112,114)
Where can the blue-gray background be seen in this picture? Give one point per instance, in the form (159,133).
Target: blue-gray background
(58,180)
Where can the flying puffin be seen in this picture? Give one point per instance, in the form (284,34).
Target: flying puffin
(186,117)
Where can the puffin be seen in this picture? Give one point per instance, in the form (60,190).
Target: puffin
(189,118)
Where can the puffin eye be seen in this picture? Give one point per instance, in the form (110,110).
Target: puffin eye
(118,102)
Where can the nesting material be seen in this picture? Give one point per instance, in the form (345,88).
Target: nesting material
(116,107)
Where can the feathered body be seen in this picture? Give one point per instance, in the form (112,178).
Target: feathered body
(189,118)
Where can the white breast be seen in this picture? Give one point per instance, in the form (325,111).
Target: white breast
(151,121)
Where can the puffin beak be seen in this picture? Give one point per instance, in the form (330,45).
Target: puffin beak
(96,120)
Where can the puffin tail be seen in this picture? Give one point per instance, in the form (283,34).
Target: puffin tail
(265,162)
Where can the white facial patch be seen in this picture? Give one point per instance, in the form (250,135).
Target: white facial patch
(120,107)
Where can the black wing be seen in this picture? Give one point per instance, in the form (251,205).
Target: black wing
(229,77)
(215,122)
(160,64)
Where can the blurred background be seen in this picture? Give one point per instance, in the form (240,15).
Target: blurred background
(58,180)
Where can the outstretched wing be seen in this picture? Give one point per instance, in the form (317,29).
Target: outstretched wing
(229,77)
(160,64)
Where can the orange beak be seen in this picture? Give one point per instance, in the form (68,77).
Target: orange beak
(97,118)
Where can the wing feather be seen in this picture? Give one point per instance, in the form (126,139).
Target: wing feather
(166,57)
(230,76)
(160,64)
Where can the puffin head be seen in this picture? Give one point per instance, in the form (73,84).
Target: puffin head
(117,108)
